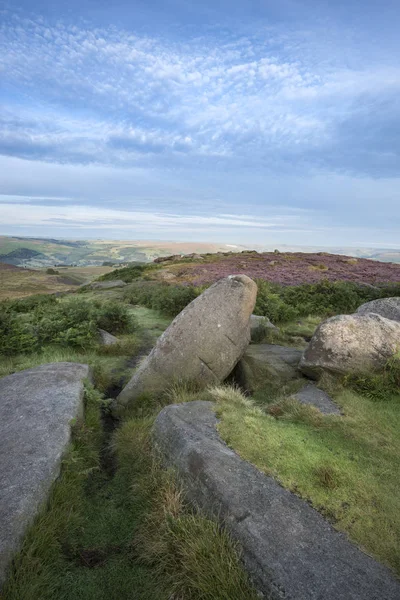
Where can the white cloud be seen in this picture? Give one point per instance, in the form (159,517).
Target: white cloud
(148,95)
(91,217)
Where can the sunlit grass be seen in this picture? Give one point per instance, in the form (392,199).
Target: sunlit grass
(347,466)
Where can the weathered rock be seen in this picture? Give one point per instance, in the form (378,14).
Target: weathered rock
(263,363)
(106,285)
(289,549)
(172,257)
(36,408)
(107,339)
(351,344)
(310,394)
(259,325)
(386,307)
(203,343)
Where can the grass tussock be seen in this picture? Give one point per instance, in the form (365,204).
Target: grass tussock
(346,466)
(194,557)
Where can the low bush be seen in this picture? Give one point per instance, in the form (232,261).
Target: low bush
(73,322)
(169,299)
(128,274)
(379,386)
(115,318)
(16,336)
(24,305)
(325,298)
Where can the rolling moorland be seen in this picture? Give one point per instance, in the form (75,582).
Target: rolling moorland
(117,525)
(42,252)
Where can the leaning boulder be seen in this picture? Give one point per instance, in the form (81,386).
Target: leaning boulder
(36,409)
(266,363)
(351,344)
(289,549)
(203,343)
(386,307)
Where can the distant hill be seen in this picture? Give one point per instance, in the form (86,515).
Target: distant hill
(35,253)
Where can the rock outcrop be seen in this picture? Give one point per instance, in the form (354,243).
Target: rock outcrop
(107,285)
(351,344)
(203,343)
(107,339)
(36,408)
(310,394)
(386,307)
(263,363)
(259,326)
(290,550)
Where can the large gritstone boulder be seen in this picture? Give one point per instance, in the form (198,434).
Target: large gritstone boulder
(386,307)
(351,344)
(203,343)
(36,408)
(290,550)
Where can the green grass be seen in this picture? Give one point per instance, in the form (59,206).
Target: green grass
(107,368)
(348,467)
(151,321)
(120,529)
(126,536)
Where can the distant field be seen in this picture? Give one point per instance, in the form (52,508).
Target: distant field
(17,283)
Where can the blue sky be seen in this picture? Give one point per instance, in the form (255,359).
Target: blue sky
(243,121)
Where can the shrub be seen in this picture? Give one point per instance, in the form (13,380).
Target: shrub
(115,318)
(73,323)
(51,271)
(16,336)
(24,305)
(127,274)
(270,304)
(325,298)
(168,299)
(378,386)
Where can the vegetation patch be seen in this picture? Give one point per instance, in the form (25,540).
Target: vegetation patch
(346,466)
(31,324)
(125,531)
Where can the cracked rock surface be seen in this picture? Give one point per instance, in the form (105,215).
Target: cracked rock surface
(290,550)
(203,343)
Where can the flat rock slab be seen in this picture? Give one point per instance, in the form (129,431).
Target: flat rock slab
(310,394)
(262,363)
(291,552)
(36,407)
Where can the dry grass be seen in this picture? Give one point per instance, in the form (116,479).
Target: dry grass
(19,283)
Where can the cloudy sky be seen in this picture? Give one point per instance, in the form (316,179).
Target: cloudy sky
(248,121)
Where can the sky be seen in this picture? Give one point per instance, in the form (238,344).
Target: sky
(240,121)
